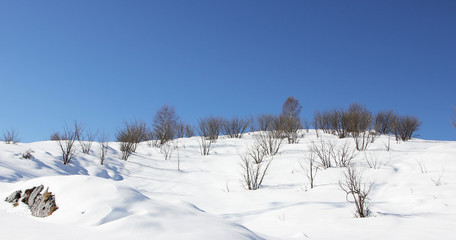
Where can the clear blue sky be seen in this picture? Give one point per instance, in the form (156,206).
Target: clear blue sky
(105,62)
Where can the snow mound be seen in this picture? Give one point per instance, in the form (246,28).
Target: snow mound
(118,211)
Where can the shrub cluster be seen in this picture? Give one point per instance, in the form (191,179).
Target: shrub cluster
(360,123)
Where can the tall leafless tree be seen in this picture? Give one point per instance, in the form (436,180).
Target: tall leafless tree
(165,124)
(290,121)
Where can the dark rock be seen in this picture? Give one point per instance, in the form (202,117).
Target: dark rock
(14,198)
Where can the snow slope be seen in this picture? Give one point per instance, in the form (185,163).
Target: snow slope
(147,196)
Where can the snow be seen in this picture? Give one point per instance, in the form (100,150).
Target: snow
(148,197)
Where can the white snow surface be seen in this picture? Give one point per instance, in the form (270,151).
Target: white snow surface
(147,197)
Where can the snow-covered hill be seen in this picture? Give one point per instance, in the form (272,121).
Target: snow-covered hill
(147,197)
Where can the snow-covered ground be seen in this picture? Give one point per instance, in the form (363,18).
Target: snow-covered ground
(147,197)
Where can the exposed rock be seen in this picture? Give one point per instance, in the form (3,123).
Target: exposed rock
(41,205)
(14,198)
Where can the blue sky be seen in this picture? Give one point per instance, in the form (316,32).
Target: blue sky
(106,62)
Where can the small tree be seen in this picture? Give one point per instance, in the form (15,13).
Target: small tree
(66,143)
(87,140)
(384,122)
(235,127)
(165,124)
(210,128)
(357,191)
(130,136)
(323,150)
(265,122)
(310,168)
(405,127)
(254,168)
(268,141)
(11,136)
(103,141)
(290,119)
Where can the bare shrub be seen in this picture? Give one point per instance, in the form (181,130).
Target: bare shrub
(363,140)
(323,150)
(66,143)
(189,131)
(11,136)
(268,141)
(372,160)
(27,154)
(405,127)
(310,168)
(87,141)
(126,148)
(180,129)
(103,152)
(205,145)
(130,136)
(55,136)
(167,150)
(343,154)
(253,173)
(357,191)
(265,122)
(210,128)
(256,153)
(235,127)
(384,122)
(165,124)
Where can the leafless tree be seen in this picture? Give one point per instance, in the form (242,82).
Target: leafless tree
(165,124)
(253,173)
(268,141)
(103,142)
(291,108)
(11,136)
(180,129)
(55,136)
(384,121)
(310,168)
(265,122)
(357,191)
(405,127)
(290,120)
(189,131)
(235,127)
(66,143)
(210,128)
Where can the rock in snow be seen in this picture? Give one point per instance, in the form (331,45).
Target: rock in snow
(41,205)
